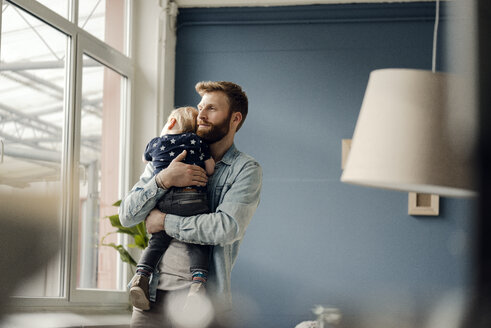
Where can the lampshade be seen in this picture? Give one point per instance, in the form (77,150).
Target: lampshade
(401,140)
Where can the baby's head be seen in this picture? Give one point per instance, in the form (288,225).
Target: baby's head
(181,120)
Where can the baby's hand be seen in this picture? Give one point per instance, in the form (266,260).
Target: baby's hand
(210,166)
(179,174)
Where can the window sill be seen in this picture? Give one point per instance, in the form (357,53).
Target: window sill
(67,319)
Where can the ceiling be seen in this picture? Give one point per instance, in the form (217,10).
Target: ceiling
(250,3)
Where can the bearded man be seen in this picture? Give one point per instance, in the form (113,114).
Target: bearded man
(233,195)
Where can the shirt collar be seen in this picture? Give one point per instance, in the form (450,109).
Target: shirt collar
(229,156)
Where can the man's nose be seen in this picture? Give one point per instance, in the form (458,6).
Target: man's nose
(201,114)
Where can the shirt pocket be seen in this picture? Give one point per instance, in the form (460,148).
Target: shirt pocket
(219,193)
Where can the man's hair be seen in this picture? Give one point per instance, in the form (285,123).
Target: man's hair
(186,118)
(237,98)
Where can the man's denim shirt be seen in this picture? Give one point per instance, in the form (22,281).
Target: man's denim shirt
(233,194)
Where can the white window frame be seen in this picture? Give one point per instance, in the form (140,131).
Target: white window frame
(80,43)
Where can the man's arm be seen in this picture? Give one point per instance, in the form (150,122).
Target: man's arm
(231,218)
(143,197)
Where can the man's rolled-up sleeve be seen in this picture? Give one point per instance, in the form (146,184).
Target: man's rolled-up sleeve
(231,218)
(141,199)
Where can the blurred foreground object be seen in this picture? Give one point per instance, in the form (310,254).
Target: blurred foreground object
(27,225)
(326,317)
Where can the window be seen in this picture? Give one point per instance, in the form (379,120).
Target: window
(64,96)
(33,57)
(61,7)
(99,182)
(105,20)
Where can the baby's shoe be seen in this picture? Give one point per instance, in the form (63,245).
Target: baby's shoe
(139,295)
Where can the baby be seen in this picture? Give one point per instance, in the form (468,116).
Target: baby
(177,135)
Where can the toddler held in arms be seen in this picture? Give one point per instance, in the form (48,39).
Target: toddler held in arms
(177,135)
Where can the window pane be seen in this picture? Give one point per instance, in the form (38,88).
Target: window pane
(59,6)
(32,88)
(105,19)
(99,181)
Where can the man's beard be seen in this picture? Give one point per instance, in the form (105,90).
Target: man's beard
(215,132)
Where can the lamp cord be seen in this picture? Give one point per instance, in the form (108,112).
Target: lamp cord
(435,36)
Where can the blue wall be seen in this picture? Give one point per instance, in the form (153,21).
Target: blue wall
(315,240)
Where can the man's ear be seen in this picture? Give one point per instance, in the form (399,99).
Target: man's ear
(236,119)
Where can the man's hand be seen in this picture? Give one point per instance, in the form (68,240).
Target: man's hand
(179,174)
(155,221)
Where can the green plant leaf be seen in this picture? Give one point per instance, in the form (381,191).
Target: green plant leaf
(138,232)
(107,234)
(123,253)
(130,231)
(142,229)
(140,241)
(114,219)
